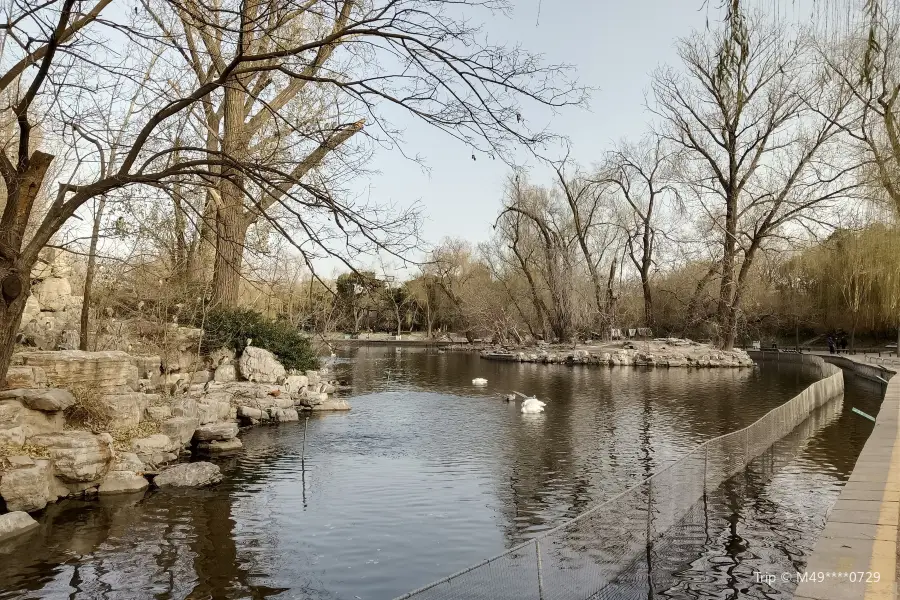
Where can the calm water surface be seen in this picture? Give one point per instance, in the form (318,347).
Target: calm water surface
(427,475)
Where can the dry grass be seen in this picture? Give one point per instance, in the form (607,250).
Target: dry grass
(87,412)
(122,438)
(7,450)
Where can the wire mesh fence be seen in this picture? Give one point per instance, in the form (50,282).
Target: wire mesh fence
(594,555)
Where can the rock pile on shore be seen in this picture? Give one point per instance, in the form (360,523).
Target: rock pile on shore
(153,417)
(661,352)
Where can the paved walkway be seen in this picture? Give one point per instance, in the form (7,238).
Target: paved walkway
(856,556)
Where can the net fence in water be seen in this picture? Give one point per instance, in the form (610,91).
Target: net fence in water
(593,555)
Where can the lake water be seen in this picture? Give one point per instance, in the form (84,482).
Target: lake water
(427,475)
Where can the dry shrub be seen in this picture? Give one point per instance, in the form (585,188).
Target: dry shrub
(7,450)
(88,412)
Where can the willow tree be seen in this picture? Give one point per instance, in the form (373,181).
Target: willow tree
(62,65)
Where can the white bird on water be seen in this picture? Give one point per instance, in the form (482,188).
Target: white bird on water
(532,405)
(479,381)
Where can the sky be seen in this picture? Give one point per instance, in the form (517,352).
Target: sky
(615,45)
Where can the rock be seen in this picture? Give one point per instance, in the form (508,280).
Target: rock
(201,377)
(122,482)
(158,413)
(332,404)
(179,429)
(32,309)
(11,434)
(26,377)
(220,432)
(155,449)
(127,461)
(220,447)
(294,384)
(260,366)
(248,412)
(221,356)
(78,456)
(43,399)
(286,415)
(189,475)
(53,293)
(212,411)
(185,407)
(148,366)
(126,410)
(33,422)
(27,488)
(313,398)
(312,378)
(109,372)
(15,523)
(225,373)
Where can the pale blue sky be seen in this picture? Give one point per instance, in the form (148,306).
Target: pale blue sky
(615,46)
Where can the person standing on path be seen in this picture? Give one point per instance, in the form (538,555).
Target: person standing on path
(830,344)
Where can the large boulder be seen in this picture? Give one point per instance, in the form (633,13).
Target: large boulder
(226,373)
(179,429)
(122,482)
(26,377)
(332,404)
(109,371)
(26,485)
(43,399)
(155,449)
(12,434)
(126,410)
(53,294)
(294,384)
(261,366)
(220,447)
(189,475)
(15,523)
(33,422)
(148,367)
(217,432)
(78,456)
(127,461)
(185,407)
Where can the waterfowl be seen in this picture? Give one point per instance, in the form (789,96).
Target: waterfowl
(533,405)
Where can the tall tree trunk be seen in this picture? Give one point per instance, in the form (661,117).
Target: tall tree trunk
(231,224)
(15,269)
(726,289)
(648,302)
(89,276)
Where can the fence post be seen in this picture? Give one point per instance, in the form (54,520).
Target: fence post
(705,465)
(537,551)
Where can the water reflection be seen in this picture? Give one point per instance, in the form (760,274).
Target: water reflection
(425,476)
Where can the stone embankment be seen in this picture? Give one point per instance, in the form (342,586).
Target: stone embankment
(661,352)
(151,415)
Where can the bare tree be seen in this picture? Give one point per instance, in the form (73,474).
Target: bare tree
(642,174)
(421,56)
(757,157)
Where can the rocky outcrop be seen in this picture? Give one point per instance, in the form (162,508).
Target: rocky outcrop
(50,320)
(78,456)
(179,429)
(25,485)
(260,366)
(225,373)
(220,447)
(217,432)
(123,482)
(33,422)
(189,475)
(156,449)
(110,372)
(658,353)
(126,410)
(42,399)
(26,377)
(15,523)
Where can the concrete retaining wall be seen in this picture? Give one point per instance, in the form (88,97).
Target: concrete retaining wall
(855,557)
